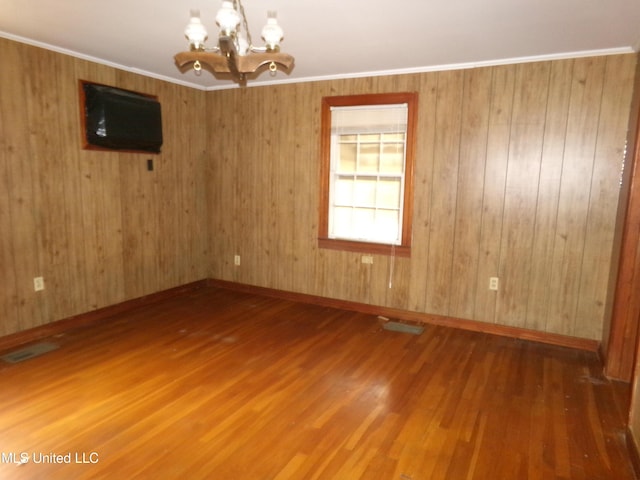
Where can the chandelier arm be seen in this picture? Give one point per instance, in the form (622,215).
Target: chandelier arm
(242,65)
(251,63)
(215,61)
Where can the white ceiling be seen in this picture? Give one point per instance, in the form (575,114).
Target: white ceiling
(332,38)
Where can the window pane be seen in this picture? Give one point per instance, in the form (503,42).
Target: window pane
(370,138)
(343,192)
(369,156)
(342,222)
(363,223)
(394,137)
(365,192)
(389,193)
(348,155)
(388,225)
(392,158)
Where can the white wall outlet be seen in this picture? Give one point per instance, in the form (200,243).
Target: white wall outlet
(236,260)
(367,259)
(493,283)
(38,284)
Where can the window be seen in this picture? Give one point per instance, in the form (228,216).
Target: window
(367,172)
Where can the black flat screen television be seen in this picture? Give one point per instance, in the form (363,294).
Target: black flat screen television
(117,119)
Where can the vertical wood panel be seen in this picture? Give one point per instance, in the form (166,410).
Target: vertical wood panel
(13,141)
(137,197)
(70,248)
(577,171)
(604,197)
(468,214)
(25,200)
(500,108)
(522,183)
(278,140)
(544,236)
(40,105)
(186,161)
(305,161)
(8,309)
(254,203)
(221,173)
(423,179)
(446,157)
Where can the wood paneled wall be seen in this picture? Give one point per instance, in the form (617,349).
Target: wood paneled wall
(98,226)
(517,176)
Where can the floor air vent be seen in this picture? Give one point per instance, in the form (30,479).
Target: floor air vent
(29,352)
(403,327)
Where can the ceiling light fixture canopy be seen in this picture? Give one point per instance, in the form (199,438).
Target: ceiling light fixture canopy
(235,53)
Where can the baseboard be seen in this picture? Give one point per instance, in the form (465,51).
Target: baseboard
(471,325)
(94,316)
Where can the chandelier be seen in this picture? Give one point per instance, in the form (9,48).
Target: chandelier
(235,53)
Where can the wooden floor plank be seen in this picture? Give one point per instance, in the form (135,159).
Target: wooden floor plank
(229,385)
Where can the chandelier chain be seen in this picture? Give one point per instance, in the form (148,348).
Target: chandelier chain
(239,7)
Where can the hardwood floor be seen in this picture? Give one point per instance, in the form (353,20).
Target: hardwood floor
(219,384)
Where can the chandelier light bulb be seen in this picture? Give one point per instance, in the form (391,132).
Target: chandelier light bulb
(272,33)
(228,19)
(195,31)
(242,45)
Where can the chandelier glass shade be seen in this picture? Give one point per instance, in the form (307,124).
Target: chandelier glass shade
(234,54)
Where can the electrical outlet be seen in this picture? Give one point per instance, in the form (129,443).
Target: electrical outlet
(38,284)
(236,260)
(493,283)
(367,259)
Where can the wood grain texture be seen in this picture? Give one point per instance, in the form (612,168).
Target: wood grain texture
(600,229)
(546,216)
(573,208)
(16,190)
(226,385)
(97,226)
(522,183)
(468,219)
(494,179)
(417,317)
(443,190)
(515,178)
